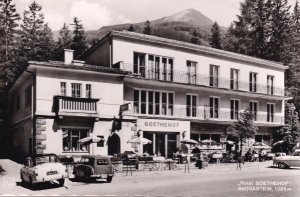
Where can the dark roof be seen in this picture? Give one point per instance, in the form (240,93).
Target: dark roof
(87,67)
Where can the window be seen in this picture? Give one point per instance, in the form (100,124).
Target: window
(164,103)
(270,84)
(71,139)
(191,105)
(214,76)
(143,102)
(262,138)
(28,96)
(151,66)
(234,109)
(214,107)
(158,103)
(170,70)
(150,103)
(63,89)
(270,112)
(253,109)
(191,72)
(160,72)
(18,103)
(164,69)
(252,82)
(88,88)
(76,90)
(139,64)
(157,68)
(136,101)
(101,141)
(171,104)
(234,79)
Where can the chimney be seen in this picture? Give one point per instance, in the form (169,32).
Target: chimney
(68,56)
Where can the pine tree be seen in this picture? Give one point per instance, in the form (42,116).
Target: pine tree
(247,35)
(64,42)
(195,37)
(278,31)
(295,30)
(78,43)
(216,41)
(131,28)
(147,28)
(8,33)
(47,44)
(31,32)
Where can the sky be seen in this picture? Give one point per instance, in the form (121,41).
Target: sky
(97,13)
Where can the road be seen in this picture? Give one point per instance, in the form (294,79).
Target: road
(215,180)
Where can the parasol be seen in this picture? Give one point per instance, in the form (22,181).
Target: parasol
(188,141)
(140,140)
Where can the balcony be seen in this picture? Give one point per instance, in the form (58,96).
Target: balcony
(182,77)
(72,106)
(203,113)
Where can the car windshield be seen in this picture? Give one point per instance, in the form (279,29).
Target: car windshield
(296,153)
(87,161)
(102,162)
(46,159)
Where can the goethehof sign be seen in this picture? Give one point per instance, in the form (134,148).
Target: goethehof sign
(163,125)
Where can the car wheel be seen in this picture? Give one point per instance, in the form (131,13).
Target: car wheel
(22,179)
(109,179)
(76,177)
(31,183)
(86,178)
(282,165)
(61,182)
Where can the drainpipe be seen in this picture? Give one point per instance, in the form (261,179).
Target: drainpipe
(33,109)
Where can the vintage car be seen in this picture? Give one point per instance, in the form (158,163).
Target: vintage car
(43,168)
(94,167)
(285,161)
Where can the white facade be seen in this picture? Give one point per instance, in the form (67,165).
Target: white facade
(208,87)
(61,116)
(175,91)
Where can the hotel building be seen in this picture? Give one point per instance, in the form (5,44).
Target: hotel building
(175,89)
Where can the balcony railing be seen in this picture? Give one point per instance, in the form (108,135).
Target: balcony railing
(199,79)
(75,105)
(203,113)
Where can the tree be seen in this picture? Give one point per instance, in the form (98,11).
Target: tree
(216,41)
(47,44)
(64,42)
(262,30)
(290,133)
(248,35)
(195,37)
(242,129)
(295,30)
(78,42)
(8,33)
(131,28)
(278,31)
(147,28)
(31,32)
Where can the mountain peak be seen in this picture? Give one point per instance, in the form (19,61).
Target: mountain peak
(191,16)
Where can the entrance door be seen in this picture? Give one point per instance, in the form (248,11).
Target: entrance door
(113,144)
(160,144)
(163,143)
